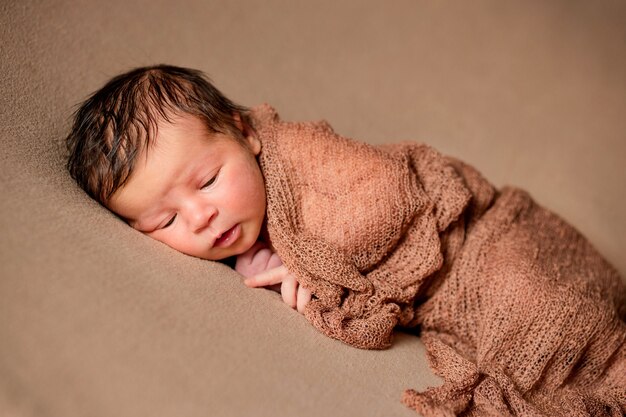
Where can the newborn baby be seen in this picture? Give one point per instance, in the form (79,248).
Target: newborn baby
(519,313)
(182,171)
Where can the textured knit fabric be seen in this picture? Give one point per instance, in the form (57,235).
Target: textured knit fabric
(519,313)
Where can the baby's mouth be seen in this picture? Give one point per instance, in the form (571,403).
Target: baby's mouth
(228,237)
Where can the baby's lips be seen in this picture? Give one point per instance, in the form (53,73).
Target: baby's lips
(227,237)
(217,237)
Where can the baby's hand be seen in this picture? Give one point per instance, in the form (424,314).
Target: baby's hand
(263,268)
(257,259)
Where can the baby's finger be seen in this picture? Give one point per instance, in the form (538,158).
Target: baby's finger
(289,290)
(274,261)
(304,296)
(269,277)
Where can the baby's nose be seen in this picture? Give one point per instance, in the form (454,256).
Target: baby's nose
(201,216)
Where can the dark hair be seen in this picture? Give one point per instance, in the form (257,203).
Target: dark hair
(114,123)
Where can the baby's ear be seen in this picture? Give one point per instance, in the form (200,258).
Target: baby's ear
(252,140)
(254,144)
(238,121)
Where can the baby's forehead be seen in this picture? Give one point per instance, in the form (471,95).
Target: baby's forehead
(187,123)
(178,137)
(176,126)
(182,137)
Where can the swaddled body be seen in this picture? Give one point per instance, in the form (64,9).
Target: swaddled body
(516,308)
(520,315)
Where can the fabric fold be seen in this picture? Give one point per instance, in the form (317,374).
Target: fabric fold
(519,313)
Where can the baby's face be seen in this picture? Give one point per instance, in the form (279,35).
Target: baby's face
(201,193)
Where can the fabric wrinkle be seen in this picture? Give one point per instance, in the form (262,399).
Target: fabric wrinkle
(518,312)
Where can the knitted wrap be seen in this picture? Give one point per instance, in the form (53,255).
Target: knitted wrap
(519,314)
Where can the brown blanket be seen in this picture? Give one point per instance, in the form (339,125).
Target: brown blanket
(519,313)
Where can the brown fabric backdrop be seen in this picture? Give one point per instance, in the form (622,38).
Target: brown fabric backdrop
(96,319)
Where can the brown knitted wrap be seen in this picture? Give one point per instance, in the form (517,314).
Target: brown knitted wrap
(522,316)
